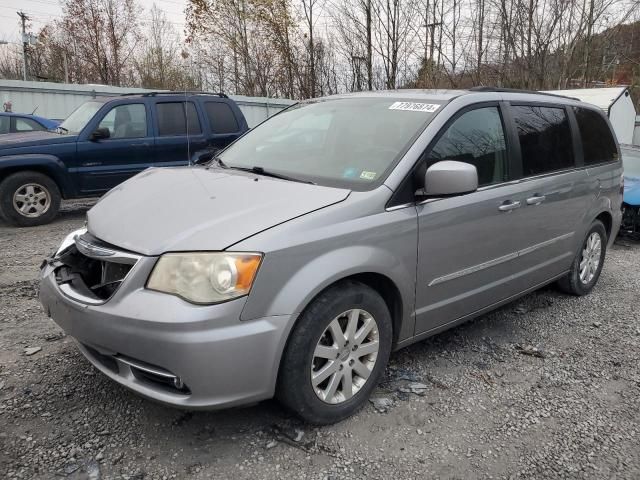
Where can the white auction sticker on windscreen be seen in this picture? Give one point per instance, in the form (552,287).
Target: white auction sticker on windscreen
(415,107)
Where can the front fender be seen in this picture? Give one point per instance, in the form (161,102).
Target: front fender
(282,290)
(44,163)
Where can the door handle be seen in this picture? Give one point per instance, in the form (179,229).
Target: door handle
(509,205)
(536,199)
(145,144)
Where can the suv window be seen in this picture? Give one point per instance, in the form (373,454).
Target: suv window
(26,125)
(545,139)
(598,143)
(476,137)
(221,117)
(173,120)
(126,121)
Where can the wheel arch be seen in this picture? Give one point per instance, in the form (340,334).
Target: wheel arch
(48,165)
(607,220)
(378,282)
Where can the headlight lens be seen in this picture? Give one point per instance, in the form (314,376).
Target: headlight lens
(205,277)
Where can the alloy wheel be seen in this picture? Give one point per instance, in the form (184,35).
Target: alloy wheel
(590,260)
(31,200)
(345,356)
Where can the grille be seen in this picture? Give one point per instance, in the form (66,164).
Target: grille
(91,270)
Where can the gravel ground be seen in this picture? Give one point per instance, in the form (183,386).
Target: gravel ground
(547,387)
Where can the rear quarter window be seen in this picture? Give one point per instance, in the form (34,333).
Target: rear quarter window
(545,139)
(221,117)
(598,143)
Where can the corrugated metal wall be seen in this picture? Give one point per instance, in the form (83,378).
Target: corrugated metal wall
(57,100)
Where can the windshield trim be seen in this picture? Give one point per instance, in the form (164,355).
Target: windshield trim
(349,184)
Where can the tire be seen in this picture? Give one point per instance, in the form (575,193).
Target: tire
(572,283)
(41,194)
(295,389)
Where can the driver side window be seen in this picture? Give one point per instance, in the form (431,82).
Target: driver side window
(476,137)
(126,121)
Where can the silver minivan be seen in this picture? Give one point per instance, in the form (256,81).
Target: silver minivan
(293,262)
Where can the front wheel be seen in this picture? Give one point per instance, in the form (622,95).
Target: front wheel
(28,199)
(587,265)
(336,354)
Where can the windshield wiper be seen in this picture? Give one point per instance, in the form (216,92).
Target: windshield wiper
(268,173)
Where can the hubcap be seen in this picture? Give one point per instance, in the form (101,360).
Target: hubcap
(31,200)
(344,356)
(590,260)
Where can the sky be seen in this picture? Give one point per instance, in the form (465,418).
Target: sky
(43,11)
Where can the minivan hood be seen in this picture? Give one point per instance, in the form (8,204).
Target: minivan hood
(194,208)
(32,139)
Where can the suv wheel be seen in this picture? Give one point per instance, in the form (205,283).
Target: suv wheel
(28,199)
(586,267)
(336,354)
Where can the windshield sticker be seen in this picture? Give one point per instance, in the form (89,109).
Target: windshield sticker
(415,107)
(368,175)
(350,172)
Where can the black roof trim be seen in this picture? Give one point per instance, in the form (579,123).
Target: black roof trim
(517,90)
(185,93)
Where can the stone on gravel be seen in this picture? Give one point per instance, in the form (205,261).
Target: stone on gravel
(381,404)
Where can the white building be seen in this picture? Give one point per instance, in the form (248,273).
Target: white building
(617,104)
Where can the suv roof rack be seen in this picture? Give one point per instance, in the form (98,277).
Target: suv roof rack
(517,90)
(176,92)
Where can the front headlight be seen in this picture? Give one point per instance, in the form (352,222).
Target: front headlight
(205,277)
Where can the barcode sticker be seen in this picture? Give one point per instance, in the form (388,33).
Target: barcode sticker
(415,107)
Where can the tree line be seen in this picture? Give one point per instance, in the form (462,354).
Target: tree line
(307,48)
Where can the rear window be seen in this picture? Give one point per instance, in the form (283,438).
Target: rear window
(545,139)
(221,117)
(598,143)
(174,120)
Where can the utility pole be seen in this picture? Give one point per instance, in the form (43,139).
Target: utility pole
(66,66)
(369,47)
(24,18)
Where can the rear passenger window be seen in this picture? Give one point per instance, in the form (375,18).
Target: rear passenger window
(221,117)
(476,137)
(545,139)
(174,119)
(598,143)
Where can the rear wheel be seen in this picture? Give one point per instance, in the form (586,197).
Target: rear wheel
(28,199)
(336,354)
(587,265)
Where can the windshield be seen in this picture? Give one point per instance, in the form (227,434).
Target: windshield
(80,117)
(631,162)
(348,142)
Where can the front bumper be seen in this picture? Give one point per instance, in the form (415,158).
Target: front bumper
(220,360)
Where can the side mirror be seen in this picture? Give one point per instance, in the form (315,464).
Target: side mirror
(203,156)
(100,134)
(449,177)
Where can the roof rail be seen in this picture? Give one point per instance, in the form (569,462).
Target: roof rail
(176,92)
(517,90)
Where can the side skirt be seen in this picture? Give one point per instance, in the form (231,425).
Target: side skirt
(471,316)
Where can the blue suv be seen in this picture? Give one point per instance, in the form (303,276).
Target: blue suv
(104,142)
